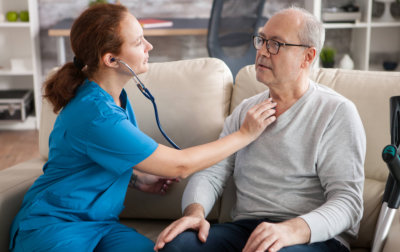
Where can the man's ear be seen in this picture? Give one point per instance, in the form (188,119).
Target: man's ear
(309,56)
(108,59)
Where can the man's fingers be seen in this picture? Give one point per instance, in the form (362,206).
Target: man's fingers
(164,236)
(261,238)
(275,247)
(203,230)
(160,239)
(180,226)
(259,242)
(250,242)
(266,243)
(159,245)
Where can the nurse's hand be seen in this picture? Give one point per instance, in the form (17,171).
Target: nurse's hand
(258,118)
(151,183)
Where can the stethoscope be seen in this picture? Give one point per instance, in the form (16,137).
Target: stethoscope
(149,96)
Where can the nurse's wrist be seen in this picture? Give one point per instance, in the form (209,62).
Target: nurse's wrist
(133,181)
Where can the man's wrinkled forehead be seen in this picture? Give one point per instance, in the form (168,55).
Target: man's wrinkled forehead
(274,37)
(282,26)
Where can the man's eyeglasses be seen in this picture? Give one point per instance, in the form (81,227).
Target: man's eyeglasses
(272,45)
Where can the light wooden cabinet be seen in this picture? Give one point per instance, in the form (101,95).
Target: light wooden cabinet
(20,64)
(369,37)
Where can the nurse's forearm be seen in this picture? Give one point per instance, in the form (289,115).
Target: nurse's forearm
(169,162)
(203,156)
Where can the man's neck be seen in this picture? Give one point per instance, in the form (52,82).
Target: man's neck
(287,94)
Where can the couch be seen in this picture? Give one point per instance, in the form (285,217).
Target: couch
(194,97)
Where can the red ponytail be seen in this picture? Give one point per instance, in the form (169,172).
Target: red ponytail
(94,33)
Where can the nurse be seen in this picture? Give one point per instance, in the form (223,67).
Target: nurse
(96,148)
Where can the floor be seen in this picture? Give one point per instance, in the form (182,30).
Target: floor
(18,146)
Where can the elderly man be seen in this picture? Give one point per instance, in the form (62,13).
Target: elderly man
(299,185)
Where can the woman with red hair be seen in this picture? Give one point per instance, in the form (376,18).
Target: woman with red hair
(96,148)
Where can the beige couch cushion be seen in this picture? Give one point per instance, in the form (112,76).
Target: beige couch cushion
(193,99)
(14,182)
(370,92)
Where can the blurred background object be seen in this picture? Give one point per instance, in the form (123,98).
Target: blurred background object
(231,26)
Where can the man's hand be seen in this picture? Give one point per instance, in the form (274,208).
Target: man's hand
(274,236)
(151,183)
(193,219)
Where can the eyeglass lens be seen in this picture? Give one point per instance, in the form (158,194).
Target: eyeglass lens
(272,46)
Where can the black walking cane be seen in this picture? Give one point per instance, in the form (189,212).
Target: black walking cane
(391,196)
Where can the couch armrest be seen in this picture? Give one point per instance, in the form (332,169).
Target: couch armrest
(14,182)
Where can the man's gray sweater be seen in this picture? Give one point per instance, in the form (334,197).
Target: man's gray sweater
(309,163)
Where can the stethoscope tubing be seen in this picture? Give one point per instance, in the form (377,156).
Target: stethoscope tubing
(149,96)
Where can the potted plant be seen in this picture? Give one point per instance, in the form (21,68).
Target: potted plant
(92,2)
(327,57)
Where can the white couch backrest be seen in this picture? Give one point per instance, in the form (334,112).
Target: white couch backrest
(193,99)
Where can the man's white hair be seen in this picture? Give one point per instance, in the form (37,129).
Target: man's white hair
(313,32)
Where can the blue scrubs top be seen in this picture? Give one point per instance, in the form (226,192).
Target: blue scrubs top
(92,149)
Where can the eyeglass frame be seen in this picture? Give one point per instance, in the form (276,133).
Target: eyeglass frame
(279,44)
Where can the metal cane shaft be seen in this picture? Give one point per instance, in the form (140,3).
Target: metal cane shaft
(383,230)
